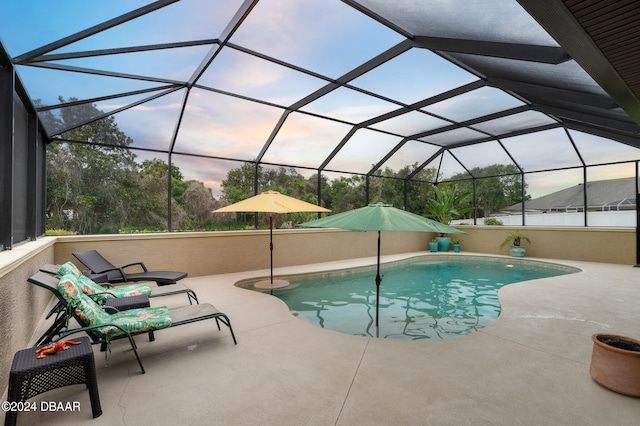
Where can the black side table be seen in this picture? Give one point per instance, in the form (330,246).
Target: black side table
(31,376)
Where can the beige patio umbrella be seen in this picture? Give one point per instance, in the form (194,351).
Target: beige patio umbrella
(271,202)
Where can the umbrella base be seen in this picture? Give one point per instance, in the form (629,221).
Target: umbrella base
(266,284)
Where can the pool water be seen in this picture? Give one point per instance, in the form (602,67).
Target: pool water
(421,300)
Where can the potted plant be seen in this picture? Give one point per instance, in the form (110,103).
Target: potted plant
(445,207)
(456,246)
(515,238)
(433,245)
(615,363)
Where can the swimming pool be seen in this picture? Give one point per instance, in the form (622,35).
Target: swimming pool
(428,297)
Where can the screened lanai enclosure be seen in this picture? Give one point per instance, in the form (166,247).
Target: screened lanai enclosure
(385,98)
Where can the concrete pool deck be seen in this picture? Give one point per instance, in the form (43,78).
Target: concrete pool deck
(530,367)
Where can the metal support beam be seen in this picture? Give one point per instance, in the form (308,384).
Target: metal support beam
(637,215)
(558,21)
(169,185)
(319,191)
(535,92)
(34,170)
(523,194)
(82,70)
(272,136)
(94,30)
(518,51)
(602,132)
(121,50)
(41,164)
(256,188)
(366,192)
(404,190)
(7,87)
(610,125)
(474,181)
(585,195)
(241,14)
(110,113)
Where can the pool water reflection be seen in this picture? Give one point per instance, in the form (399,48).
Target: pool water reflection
(419,300)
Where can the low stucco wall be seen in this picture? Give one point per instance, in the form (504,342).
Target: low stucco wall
(22,305)
(606,245)
(223,252)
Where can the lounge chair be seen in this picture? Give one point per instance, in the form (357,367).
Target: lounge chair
(101,294)
(103,327)
(121,290)
(49,282)
(98,266)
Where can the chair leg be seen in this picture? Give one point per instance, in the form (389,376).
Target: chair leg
(103,341)
(135,351)
(57,308)
(226,321)
(59,323)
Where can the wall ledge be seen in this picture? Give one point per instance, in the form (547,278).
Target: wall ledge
(20,254)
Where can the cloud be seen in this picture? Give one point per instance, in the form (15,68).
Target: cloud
(305,140)
(237,72)
(225,126)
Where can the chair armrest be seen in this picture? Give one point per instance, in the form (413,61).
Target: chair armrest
(122,274)
(103,292)
(92,327)
(144,268)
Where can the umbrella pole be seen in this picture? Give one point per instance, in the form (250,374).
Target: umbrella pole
(378,281)
(270,283)
(271,249)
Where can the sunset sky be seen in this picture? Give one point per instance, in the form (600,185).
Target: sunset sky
(320,40)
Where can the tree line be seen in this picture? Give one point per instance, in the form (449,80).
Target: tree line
(97,188)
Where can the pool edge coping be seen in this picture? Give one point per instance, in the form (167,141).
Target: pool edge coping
(246,282)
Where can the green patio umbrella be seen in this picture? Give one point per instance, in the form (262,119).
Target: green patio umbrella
(381,217)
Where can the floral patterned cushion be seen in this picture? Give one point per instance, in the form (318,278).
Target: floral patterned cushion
(88,286)
(86,309)
(130,290)
(133,321)
(138,321)
(69,268)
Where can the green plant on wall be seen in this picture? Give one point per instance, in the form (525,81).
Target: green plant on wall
(446,206)
(515,238)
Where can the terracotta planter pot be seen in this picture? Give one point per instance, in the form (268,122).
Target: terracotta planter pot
(615,363)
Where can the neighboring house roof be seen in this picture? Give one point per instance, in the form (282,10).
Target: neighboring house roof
(608,194)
